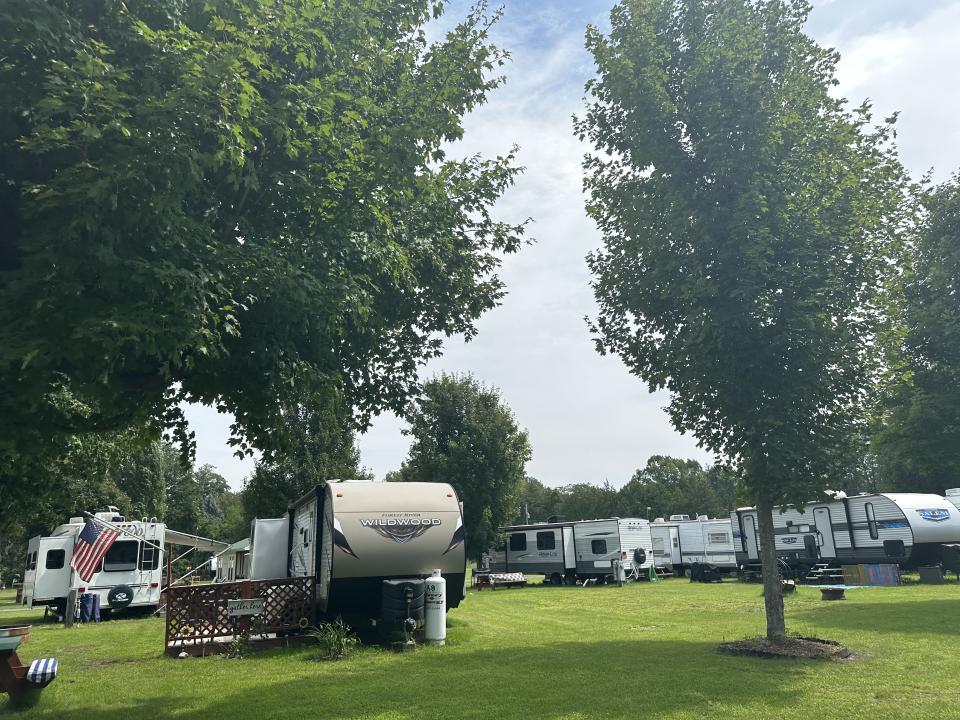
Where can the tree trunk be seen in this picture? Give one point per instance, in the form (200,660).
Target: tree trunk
(772,587)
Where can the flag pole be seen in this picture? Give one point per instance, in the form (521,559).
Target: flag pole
(120,530)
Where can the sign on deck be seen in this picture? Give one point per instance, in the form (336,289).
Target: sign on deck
(237,608)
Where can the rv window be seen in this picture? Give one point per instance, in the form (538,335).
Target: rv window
(658,545)
(55,559)
(871,521)
(719,538)
(518,542)
(121,556)
(31,561)
(546,541)
(149,557)
(676,542)
(599,547)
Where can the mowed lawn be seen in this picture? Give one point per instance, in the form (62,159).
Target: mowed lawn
(642,651)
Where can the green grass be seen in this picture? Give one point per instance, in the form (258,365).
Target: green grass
(645,650)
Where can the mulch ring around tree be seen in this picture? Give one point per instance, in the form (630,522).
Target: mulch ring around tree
(792,647)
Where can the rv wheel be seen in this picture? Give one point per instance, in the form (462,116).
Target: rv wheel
(556,579)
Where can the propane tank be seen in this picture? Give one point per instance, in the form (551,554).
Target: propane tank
(435,601)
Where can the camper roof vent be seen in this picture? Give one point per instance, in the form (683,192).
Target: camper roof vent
(703,517)
(953,491)
(556,519)
(679,517)
(76,521)
(659,519)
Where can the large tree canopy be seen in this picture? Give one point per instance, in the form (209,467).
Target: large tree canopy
(464,434)
(323,448)
(220,202)
(747,217)
(919,447)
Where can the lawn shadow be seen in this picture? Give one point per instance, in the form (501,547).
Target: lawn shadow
(903,616)
(590,679)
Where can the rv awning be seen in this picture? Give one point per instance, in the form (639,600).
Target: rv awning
(174,537)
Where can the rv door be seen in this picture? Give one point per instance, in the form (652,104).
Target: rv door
(821,517)
(750,535)
(569,549)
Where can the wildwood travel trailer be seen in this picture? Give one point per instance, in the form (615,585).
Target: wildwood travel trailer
(354,536)
(679,543)
(903,528)
(130,575)
(564,551)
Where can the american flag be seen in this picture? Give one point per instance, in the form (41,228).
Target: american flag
(92,544)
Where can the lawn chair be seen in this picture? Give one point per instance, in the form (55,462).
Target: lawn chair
(16,679)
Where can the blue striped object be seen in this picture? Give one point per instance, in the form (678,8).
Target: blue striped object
(42,671)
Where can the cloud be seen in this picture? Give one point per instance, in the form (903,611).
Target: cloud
(911,66)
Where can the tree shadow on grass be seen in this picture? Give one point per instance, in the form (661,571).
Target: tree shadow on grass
(903,616)
(589,679)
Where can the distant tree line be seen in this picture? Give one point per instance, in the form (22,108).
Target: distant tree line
(665,486)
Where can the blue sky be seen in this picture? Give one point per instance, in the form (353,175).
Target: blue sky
(589,420)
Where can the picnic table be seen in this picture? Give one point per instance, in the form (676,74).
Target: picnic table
(17,679)
(494,580)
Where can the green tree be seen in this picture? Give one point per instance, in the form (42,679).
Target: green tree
(322,448)
(748,217)
(464,434)
(586,501)
(539,501)
(234,202)
(918,448)
(671,486)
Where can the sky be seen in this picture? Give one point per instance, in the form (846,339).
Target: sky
(588,418)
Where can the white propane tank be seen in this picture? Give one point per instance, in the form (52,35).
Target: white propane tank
(435,602)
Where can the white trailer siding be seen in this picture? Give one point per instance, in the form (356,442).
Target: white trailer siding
(684,542)
(875,519)
(635,535)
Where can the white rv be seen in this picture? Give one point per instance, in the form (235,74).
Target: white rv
(353,536)
(679,543)
(907,529)
(564,551)
(129,576)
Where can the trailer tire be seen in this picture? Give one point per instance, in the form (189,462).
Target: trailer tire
(556,579)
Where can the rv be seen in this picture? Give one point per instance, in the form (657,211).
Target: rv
(585,549)
(353,536)
(129,576)
(907,529)
(680,542)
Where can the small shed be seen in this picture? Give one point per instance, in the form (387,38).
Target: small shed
(232,563)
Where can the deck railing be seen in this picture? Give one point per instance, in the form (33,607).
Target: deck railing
(198,619)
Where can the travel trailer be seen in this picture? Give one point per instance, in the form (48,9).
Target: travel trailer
(354,536)
(585,549)
(681,542)
(130,575)
(907,529)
